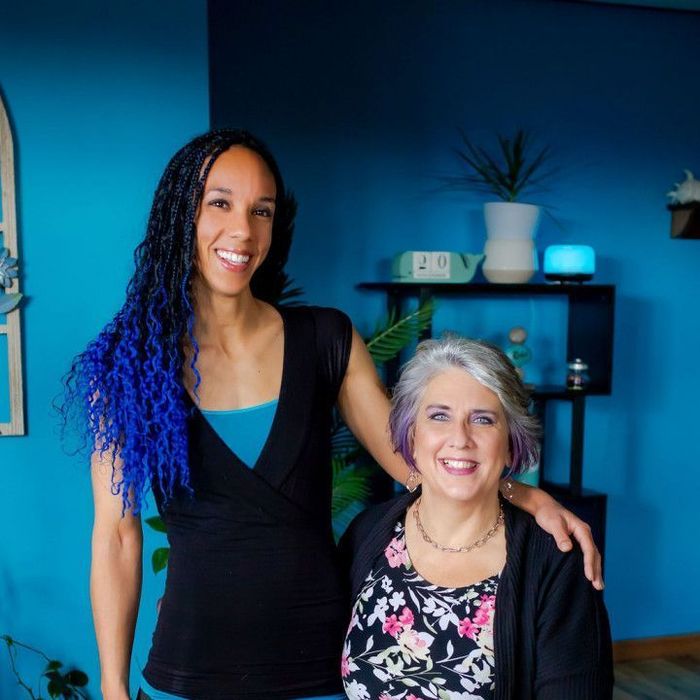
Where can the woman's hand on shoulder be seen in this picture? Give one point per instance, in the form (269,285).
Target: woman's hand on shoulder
(562,524)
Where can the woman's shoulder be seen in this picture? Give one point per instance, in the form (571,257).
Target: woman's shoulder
(528,542)
(319,313)
(376,521)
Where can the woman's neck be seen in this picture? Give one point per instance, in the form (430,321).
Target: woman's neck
(222,321)
(457,523)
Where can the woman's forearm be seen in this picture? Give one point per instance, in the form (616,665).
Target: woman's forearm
(115,591)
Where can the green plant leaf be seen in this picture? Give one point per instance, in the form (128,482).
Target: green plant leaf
(53,665)
(342,519)
(343,442)
(156,523)
(513,170)
(56,686)
(350,484)
(77,678)
(387,342)
(159,559)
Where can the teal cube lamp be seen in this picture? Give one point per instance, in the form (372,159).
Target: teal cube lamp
(569,263)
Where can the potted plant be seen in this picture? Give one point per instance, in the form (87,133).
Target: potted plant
(685,208)
(515,170)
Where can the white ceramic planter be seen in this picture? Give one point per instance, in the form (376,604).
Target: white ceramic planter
(509,261)
(511,220)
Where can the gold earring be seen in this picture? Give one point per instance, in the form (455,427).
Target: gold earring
(413,480)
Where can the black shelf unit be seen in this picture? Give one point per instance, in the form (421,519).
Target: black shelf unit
(590,324)
(589,335)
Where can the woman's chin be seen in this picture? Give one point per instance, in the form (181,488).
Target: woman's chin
(459,494)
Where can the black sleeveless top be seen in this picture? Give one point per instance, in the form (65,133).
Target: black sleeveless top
(254,605)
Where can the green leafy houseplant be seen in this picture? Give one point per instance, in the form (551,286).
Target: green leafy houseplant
(67,685)
(352,469)
(516,168)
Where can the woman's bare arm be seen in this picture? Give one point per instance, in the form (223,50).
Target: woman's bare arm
(115,580)
(364,406)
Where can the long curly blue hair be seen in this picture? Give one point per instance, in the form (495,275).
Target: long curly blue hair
(124,393)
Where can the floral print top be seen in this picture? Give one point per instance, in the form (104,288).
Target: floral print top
(411,640)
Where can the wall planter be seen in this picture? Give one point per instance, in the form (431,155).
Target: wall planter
(685,220)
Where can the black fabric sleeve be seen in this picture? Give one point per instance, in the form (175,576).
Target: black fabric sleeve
(574,649)
(333,343)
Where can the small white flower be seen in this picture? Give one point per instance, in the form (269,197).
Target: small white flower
(379,612)
(356,691)
(397,600)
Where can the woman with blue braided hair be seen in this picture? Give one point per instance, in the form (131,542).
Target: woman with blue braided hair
(220,402)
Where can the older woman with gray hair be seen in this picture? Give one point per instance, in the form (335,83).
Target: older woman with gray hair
(457,594)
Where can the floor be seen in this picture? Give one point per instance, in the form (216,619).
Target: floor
(673,678)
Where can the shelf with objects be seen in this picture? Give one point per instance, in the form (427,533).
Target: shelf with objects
(589,334)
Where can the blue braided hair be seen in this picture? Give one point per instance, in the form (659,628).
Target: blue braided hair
(125,391)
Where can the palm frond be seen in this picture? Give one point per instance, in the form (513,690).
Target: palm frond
(342,519)
(388,341)
(350,484)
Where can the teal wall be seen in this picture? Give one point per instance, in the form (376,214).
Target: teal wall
(361,102)
(100,94)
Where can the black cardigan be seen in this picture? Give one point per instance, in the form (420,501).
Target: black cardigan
(551,630)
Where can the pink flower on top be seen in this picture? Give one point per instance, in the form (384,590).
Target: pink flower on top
(483,614)
(396,553)
(482,617)
(488,601)
(467,629)
(392,626)
(411,696)
(406,617)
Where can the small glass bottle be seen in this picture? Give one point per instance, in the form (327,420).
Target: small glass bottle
(577,377)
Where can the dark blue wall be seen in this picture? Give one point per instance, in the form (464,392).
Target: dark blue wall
(361,102)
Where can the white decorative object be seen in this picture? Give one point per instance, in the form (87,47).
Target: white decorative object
(509,261)
(511,220)
(511,256)
(687,191)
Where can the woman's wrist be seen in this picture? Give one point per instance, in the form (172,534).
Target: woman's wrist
(114,690)
(525,497)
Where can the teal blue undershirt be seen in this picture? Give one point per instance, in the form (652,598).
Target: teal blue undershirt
(244,430)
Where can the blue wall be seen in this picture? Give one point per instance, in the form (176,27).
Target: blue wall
(360,102)
(101,94)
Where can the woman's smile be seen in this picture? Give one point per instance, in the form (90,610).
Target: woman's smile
(459,467)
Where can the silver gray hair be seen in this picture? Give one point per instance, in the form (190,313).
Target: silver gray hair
(490,366)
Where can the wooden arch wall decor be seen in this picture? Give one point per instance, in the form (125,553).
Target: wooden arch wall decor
(10,326)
